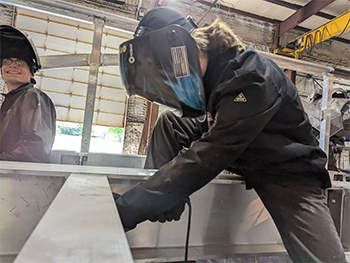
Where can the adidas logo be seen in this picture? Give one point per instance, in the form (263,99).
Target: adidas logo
(240,98)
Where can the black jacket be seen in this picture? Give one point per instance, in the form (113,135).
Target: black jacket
(27,125)
(266,134)
(260,128)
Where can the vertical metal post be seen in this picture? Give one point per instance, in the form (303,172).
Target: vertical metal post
(276,40)
(326,112)
(291,74)
(150,120)
(91,90)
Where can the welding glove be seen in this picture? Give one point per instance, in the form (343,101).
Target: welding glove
(173,214)
(141,203)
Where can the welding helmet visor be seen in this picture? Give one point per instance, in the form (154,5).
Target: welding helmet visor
(163,67)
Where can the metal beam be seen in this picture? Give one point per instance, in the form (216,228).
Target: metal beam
(64,61)
(82,60)
(76,60)
(92,84)
(113,60)
(109,60)
(326,108)
(298,65)
(297,7)
(302,14)
(150,120)
(291,74)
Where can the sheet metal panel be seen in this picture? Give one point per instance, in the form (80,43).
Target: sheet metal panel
(81,225)
(227,220)
(24,199)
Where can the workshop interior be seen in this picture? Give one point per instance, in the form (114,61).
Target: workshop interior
(64,210)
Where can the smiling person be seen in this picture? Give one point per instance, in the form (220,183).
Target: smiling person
(27,115)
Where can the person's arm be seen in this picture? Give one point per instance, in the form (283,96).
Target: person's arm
(236,125)
(37,123)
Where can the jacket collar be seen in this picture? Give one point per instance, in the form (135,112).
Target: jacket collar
(19,89)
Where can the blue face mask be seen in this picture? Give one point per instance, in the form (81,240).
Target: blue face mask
(163,67)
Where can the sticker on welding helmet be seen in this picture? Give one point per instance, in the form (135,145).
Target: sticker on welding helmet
(122,49)
(131,58)
(180,61)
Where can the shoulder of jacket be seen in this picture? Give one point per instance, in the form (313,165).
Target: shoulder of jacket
(33,90)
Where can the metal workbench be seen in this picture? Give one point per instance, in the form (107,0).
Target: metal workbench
(74,218)
(73,215)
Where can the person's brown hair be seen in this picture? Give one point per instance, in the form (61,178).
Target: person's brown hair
(218,35)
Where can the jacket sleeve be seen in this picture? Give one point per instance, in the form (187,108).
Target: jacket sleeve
(237,123)
(38,127)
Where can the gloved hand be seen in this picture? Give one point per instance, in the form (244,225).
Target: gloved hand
(140,204)
(173,214)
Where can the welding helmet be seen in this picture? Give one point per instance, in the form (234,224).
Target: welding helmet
(18,44)
(161,63)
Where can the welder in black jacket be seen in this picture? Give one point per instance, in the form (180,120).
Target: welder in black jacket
(259,128)
(27,115)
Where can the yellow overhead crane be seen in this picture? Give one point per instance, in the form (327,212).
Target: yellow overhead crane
(333,28)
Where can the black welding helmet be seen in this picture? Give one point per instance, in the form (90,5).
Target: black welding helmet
(161,63)
(15,43)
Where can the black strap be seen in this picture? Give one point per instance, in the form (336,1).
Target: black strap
(189,26)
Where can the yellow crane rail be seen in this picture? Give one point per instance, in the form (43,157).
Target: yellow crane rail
(333,28)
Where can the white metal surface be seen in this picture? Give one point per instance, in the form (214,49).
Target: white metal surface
(24,199)
(81,225)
